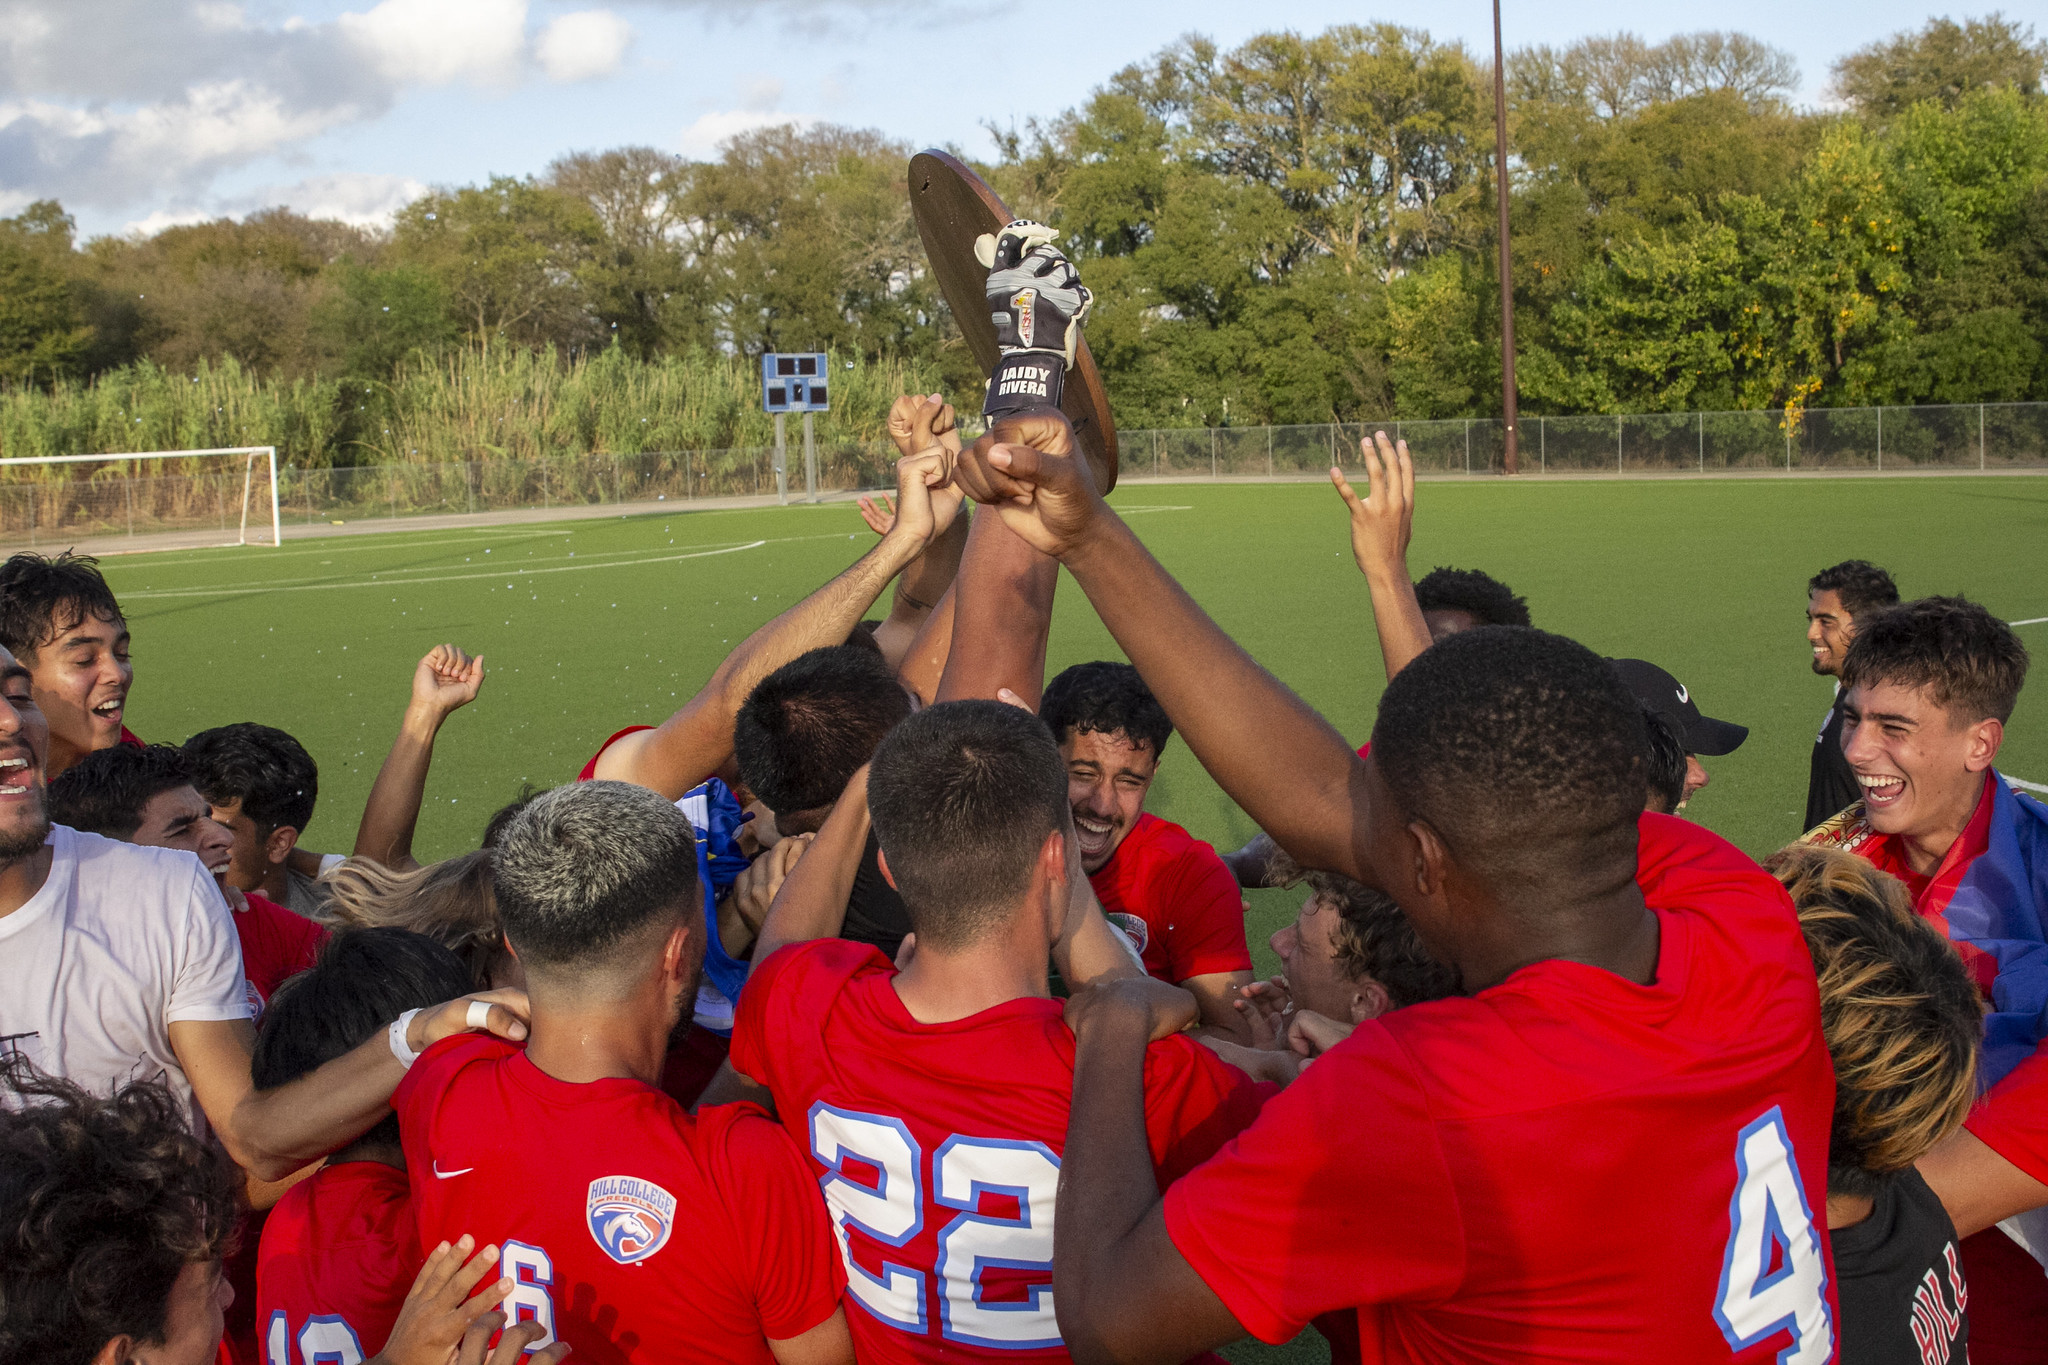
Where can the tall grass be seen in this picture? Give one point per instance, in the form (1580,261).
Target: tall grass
(503,403)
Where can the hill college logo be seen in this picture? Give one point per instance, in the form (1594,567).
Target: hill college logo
(629,1217)
(1135,931)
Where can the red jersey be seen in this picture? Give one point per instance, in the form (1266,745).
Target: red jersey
(275,944)
(589,770)
(636,1231)
(939,1145)
(1176,900)
(338,1258)
(1564,1167)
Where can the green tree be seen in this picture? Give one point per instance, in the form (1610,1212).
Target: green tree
(1942,62)
(509,256)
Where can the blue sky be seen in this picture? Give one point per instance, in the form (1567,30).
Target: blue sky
(137,113)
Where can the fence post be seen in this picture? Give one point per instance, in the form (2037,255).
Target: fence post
(1269,450)
(1980,437)
(1617,443)
(1703,442)
(1880,439)
(1542,448)
(1212,454)
(1788,443)
(1468,445)
(130,480)
(1155,452)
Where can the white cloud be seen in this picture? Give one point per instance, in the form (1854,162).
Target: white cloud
(583,46)
(702,138)
(157,221)
(437,42)
(358,197)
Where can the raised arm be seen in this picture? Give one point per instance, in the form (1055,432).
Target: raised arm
(693,743)
(1269,750)
(812,901)
(916,424)
(271,1133)
(1381,524)
(446,680)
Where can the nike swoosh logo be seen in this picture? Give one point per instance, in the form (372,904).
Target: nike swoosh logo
(1682,697)
(440,1174)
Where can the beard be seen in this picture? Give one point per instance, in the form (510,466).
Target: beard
(20,843)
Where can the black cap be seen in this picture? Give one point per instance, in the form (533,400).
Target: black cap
(1668,697)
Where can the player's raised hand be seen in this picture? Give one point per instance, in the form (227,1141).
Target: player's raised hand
(1043,490)
(1383,521)
(447,678)
(918,421)
(1163,1008)
(753,891)
(1265,1005)
(502,1012)
(440,1309)
(878,512)
(923,483)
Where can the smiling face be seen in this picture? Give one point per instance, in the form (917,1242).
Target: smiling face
(1107,778)
(180,818)
(24,744)
(1921,766)
(1316,980)
(82,676)
(1829,628)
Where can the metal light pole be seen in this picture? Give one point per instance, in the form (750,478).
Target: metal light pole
(1507,278)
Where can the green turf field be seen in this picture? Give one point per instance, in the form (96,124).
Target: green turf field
(590,626)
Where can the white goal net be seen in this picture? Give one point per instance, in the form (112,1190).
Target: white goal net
(197,497)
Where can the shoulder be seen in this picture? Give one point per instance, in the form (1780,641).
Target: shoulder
(817,967)
(111,877)
(589,770)
(1681,866)
(742,1140)
(444,1063)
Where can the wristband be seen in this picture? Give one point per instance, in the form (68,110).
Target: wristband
(1025,381)
(328,862)
(399,1047)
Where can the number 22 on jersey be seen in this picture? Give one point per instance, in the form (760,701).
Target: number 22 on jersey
(1773,1275)
(877,1182)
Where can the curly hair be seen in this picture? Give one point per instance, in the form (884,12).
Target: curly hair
(103,1203)
(1900,1012)
(1373,938)
(1491,602)
(451,902)
(1105,697)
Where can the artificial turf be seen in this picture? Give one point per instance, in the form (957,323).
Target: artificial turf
(593,625)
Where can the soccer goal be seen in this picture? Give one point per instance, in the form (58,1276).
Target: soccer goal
(213,497)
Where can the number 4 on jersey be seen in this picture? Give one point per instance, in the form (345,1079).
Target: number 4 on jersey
(1773,1275)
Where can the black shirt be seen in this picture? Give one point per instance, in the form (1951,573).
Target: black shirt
(1831,785)
(874,912)
(1899,1280)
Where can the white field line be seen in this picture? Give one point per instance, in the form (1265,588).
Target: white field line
(252,589)
(2030,621)
(2011,781)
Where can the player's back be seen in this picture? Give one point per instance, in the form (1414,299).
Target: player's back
(635,1231)
(339,1254)
(1565,1166)
(938,1145)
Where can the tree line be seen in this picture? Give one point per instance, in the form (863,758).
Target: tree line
(1298,229)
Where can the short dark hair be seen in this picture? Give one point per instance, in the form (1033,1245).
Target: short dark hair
(1105,697)
(1899,1011)
(364,979)
(1522,749)
(1376,939)
(264,768)
(806,727)
(1666,774)
(42,597)
(1966,658)
(1491,602)
(104,1200)
(105,792)
(1862,586)
(963,794)
(585,867)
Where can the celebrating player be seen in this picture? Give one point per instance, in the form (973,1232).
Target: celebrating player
(59,618)
(1642,1018)
(933,1100)
(262,785)
(1837,598)
(630,1228)
(1166,890)
(1926,690)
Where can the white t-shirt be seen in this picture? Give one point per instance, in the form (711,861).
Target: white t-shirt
(121,942)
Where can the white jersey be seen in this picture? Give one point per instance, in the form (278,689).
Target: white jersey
(121,942)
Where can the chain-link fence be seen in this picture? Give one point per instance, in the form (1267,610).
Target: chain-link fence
(49,504)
